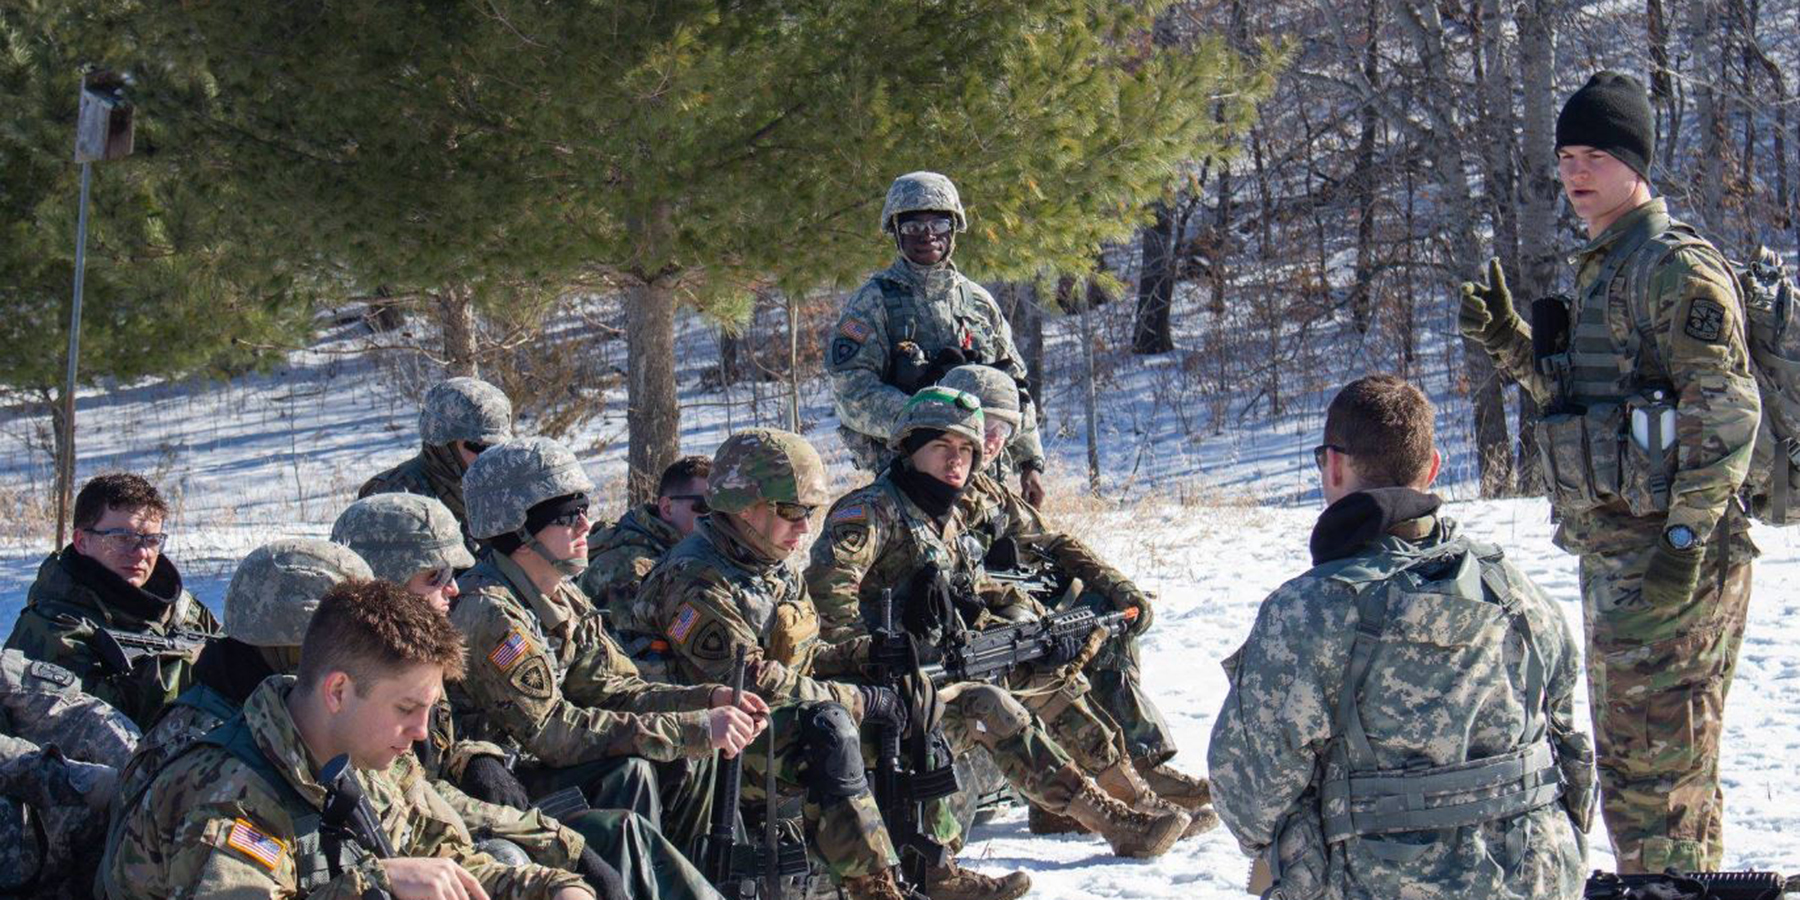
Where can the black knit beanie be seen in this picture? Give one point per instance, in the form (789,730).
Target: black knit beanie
(919,438)
(1612,113)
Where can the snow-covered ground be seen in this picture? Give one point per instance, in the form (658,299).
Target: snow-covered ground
(1210,522)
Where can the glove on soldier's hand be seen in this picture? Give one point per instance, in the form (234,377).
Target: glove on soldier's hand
(881,706)
(1064,648)
(601,876)
(486,778)
(1672,576)
(1486,314)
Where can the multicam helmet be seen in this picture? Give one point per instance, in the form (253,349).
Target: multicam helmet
(944,409)
(766,464)
(277,587)
(400,535)
(504,483)
(998,393)
(922,191)
(465,409)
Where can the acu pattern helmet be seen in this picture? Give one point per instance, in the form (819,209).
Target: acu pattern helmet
(400,535)
(998,393)
(275,590)
(944,409)
(766,464)
(504,483)
(465,409)
(922,192)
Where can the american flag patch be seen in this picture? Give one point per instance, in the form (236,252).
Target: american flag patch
(851,513)
(507,653)
(246,839)
(684,623)
(855,330)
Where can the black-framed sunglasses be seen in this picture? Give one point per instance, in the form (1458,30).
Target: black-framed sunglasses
(124,540)
(574,517)
(476,447)
(701,507)
(937,226)
(1319,454)
(440,578)
(794,512)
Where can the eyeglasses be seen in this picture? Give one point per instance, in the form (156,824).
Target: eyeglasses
(937,226)
(1319,453)
(997,429)
(439,578)
(124,540)
(699,500)
(794,512)
(572,518)
(476,447)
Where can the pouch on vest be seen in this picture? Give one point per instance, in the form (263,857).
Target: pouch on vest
(1296,859)
(1649,454)
(795,625)
(1580,453)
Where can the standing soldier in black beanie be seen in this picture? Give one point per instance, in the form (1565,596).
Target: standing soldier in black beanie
(1650,412)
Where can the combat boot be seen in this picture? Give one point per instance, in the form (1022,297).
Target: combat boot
(1183,790)
(1042,821)
(1122,781)
(879,886)
(953,882)
(1133,833)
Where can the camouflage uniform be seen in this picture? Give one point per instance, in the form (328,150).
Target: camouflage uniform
(1460,691)
(62,793)
(74,597)
(932,308)
(1659,673)
(226,816)
(460,409)
(619,558)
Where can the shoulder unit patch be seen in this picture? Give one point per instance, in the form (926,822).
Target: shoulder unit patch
(1705,320)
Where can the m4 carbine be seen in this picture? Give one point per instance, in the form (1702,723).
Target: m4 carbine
(991,653)
(119,651)
(348,816)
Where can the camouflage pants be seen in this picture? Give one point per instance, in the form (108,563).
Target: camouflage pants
(51,836)
(1658,678)
(982,715)
(847,834)
(1070,717)
(1114,675)
(651,866)
(674,797)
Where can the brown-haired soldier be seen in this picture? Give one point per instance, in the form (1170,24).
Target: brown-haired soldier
(1424,664)
(113,576)
(621,556)
(239,813)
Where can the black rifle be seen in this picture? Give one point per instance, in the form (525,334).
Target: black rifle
(734,866)
(119,651)
(904,783)
(991,653)
(1698,885)
(1550,335)
(348,816)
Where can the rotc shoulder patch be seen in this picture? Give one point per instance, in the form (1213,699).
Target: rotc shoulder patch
(856,330)
(685,617)
(712,644)
(533,679)
(262,849)
(1705,320)
(850,537)
(843,350)
(509,651)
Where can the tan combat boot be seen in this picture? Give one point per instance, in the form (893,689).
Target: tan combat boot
(879,886)
(1122,781)
(953,882)
(1183,790)
(1131,832)
(1042,821)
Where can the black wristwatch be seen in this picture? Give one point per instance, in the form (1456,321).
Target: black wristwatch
(1679,537)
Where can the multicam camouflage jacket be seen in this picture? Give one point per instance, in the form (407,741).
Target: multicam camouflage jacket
(619,559)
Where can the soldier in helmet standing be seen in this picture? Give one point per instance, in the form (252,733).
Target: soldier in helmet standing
(546,678)
(914,321)
(459,419)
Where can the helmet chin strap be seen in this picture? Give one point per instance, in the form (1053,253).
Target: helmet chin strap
(568,568)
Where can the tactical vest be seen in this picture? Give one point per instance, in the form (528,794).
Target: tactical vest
(316,860)
(205,699)
(1355,799)
(1612,438)
(903,322)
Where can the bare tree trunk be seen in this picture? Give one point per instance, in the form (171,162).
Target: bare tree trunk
(1156,285)
(793,321)
(1018,300)
(1537,200)
(1090,399)
(1369,124)
(1662,93)
(653,411)
(1709,55)
(456,320)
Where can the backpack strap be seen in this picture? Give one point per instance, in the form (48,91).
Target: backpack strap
(314,865)
(894,297)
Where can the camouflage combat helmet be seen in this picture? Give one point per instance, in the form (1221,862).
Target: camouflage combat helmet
(945,409)
(766,464)
(400,535)
(504,483)
(998,393)
(465,409)
(277,587)
(922,191)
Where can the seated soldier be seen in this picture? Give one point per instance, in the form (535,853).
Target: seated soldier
(904,528)
(621,556)
(727,586)
(114,577)
(544,676)
(414,541)
(239,814)
(1401,717)
(996,514)
(60,752)
(459,419)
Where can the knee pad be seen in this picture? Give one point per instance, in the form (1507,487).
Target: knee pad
(996,710)
(832,750)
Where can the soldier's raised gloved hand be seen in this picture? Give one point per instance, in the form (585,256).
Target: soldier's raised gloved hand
(882,706)
(1487,314)
(1673,574)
